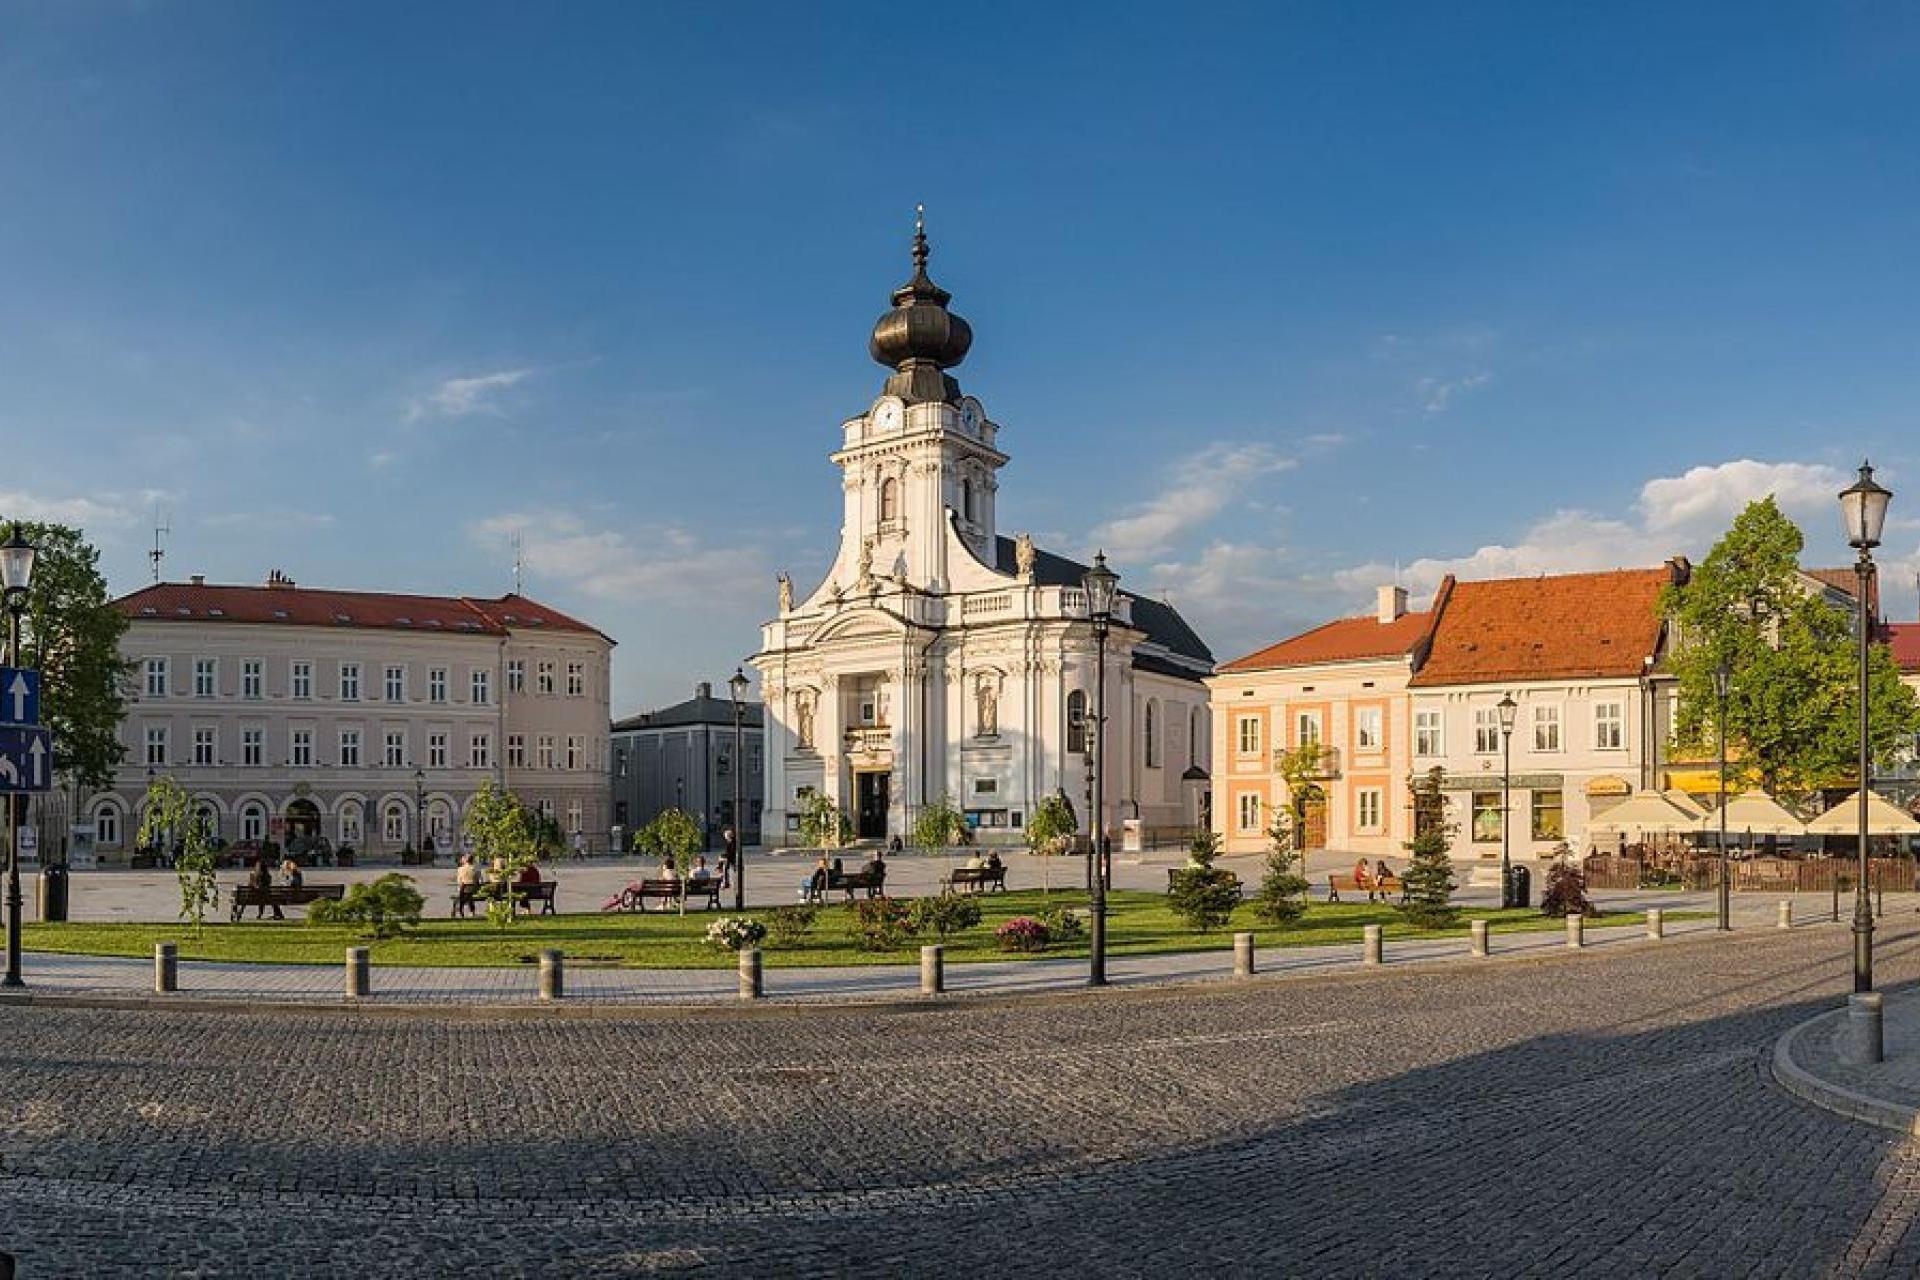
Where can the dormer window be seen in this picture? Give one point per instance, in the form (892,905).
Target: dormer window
(889,501)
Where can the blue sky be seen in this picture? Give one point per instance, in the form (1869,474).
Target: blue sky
(1273,301)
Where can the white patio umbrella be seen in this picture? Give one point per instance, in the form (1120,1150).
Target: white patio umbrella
(1884,818)
(1753,812)
(1643,811)
(1686,803)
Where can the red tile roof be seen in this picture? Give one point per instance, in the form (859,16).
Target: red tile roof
(1569,626)
(1847,583)
(1903,638)
(310,607)
(1342,640)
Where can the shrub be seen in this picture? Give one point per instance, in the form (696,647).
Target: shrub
(1063,924)
(879,924)
(790,925)
(1566,892)
(1283,890)
(1022,933)
(735,933)
(945,914)
(1204,897)
(385,907)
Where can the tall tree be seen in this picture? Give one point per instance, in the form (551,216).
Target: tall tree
(71,632)
(1793,707)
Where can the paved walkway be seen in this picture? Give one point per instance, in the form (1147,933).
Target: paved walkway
(111,977)
(1812,1061)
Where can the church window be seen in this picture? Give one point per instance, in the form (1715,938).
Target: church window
(1151,736)
(1077,722)
(889,501)
(966,501)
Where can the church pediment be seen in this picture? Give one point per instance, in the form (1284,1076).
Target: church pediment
(862,624)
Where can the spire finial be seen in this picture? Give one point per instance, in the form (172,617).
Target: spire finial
(920,238)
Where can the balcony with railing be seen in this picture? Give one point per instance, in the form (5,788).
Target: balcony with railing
(873,740)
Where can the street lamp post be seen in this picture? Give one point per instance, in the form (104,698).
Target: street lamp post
(420,810)
(1508,710)
(16,575)
(1863,506)
(1722,681)
(737,855)
(1099,582)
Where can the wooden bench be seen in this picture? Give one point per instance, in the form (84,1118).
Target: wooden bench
(873,882)
(1372,886)
(468,897)
(280,895)
(978,879)
(705,893)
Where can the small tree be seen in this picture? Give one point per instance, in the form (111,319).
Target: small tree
(673,834)
(1429,876)
(944,914)
(169,815)
(1282,889)
(1566,889)
(387,907)
(822,824)
(1202,894)
(940,826)
(505,839)
(1050,833)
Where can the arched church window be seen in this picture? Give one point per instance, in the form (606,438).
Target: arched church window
(966,501)
(889,501)
(1151,737)
(1077,722)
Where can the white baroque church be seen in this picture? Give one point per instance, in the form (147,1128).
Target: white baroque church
(942,659)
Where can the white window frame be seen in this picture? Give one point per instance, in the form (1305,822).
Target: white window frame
(480,751)
(1368,723)
(1429,732)
(393,822)
(1308,730)
(1369,807)
(206,746)
(106,825)
(576,679)
(393,749)
(1486,731)
(253,679)
(480,687)
(300,749)
(206,677)
(574,815)
(545,749)
(1246,735)
(436,684)
(253,821)
(300,679)
(543,679)
(394,683)
(1546,726)
(516,675)
(349,749)
(156,685)
(253,747)
(349,682)
(156,744)
(436,751)
(516,751)
(576,751)
(1247,812)
(1610,725)
(351,822)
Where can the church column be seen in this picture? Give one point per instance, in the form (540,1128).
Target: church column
(828,728)
(774,740)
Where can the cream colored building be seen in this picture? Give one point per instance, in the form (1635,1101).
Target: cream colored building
(941,658)
(1341,687)
(364,717)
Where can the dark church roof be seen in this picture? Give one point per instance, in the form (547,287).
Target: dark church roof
(701,708)
(1161,621)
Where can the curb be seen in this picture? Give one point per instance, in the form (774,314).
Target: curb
(902,1003)
(1826,1095)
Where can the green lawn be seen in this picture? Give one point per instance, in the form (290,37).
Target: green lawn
(1138,924)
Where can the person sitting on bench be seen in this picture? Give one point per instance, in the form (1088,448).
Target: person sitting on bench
(701,872)
(290,872)
(1362,875)
(529,874)
(466,881)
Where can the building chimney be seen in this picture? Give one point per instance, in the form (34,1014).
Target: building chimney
(199,579)
(1392,604)
(703,690)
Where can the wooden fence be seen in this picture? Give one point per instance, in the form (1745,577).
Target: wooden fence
(1766,875)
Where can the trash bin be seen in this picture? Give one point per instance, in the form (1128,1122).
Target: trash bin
(53,894)
(1519,886)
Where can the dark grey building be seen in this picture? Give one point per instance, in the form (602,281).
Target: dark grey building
(682,757)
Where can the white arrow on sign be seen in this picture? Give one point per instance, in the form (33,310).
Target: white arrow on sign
(39,753)
(18,692)
(9,771)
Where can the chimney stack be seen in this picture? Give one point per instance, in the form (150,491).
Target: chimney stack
(199,579)
(703,690)
(1392,604)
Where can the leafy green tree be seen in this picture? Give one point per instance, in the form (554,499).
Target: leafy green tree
(1793,705)
(71,632)
(1299,769)
(1429,876)
(672,834)
(386,907)
(940,825)
(167,815)
(505,841)
(1201,894)
(1050,833)
(822,824)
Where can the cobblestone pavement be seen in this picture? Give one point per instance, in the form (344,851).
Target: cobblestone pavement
(1601,1114)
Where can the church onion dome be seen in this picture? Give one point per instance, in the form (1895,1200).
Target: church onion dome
(920,339)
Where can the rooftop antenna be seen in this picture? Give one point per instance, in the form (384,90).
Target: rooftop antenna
(518,562)
(159,553)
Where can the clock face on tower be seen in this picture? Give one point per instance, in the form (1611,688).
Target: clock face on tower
(887,415)
(970,417)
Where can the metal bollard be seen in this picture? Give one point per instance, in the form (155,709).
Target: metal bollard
(1373,952)
(933,970)
(1576,930)
(1865,1029)
(1478,928)
(751,986)
(1243,955)
(1656,923)
(359,972)
(166,967)
(553,975)
(1784,916)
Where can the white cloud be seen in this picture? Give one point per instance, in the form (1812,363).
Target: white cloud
(1199,487)
(1709,496)
(657,561)
(1438,394)
(106,510)
(462,397)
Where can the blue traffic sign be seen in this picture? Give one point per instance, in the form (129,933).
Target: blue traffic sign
(26,759)
(19,695)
